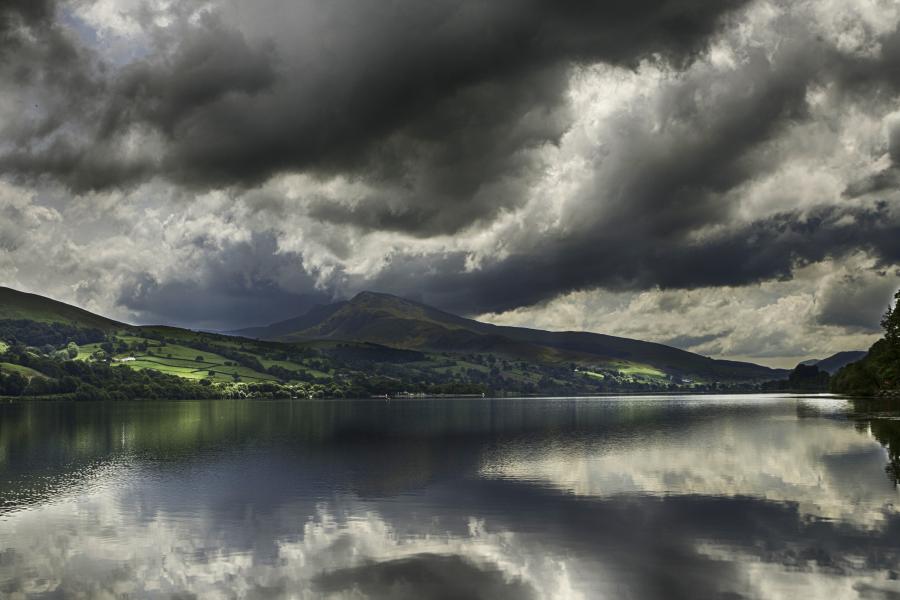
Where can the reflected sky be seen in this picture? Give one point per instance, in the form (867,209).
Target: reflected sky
(692,497)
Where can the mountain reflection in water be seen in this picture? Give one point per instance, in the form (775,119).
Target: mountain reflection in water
(687,497)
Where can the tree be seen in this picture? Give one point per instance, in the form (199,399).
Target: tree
(13,384)
(72,349)
(891,323)
(199,358)
(808,377)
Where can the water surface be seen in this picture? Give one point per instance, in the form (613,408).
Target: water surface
(654,497)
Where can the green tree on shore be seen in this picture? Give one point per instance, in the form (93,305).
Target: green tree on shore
(891,323)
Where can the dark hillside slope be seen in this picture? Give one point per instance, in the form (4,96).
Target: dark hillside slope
(16,305)
(284,328)
(835,362)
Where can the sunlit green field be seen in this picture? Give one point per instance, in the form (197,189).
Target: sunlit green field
(642,370)
(191,363)
(24,371)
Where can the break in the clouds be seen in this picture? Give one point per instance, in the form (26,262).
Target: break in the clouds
(721,176)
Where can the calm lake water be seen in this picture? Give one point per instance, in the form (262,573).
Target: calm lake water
(653,497)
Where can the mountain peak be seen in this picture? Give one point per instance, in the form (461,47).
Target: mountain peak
(385,319)
(369,295)
(368,299)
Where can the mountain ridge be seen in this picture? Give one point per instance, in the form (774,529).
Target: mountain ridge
(375,317)
(394,321)
(836,361)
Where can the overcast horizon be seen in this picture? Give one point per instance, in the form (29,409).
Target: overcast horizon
(722,176)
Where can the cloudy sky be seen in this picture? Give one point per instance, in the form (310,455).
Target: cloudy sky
(719,175)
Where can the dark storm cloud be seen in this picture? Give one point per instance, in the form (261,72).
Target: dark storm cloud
(878,74)
(17,16)
(229,288)
(857,301)
(763,250)
(631,227)
(636,227)
(469,156)
(433,103)
(378,87)
(215,62)
(53,85)
(877,77)
(37,51)
(886,179)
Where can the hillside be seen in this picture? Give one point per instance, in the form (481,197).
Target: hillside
(835,362)
(48,348)
(21,305)
(374,344)
(397,322)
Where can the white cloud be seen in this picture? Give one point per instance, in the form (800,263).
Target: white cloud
(777,323)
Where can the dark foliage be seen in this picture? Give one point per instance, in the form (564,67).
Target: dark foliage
(891,323)
(35,333)
(94,381)
(879,371)
(808,378)
(369,352)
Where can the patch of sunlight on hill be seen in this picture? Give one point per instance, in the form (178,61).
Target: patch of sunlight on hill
(24,371)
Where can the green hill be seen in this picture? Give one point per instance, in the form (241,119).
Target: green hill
(18,305)
(402,323)
(26,372)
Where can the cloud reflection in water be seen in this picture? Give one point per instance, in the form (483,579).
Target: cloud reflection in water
(644,498)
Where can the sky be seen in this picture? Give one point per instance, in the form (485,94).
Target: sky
(718,175)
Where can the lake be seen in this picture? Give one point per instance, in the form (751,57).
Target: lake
(621,497)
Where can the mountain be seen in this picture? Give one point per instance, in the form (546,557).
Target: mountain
(398,322)
(374,344)
(21,305)
(833,363)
